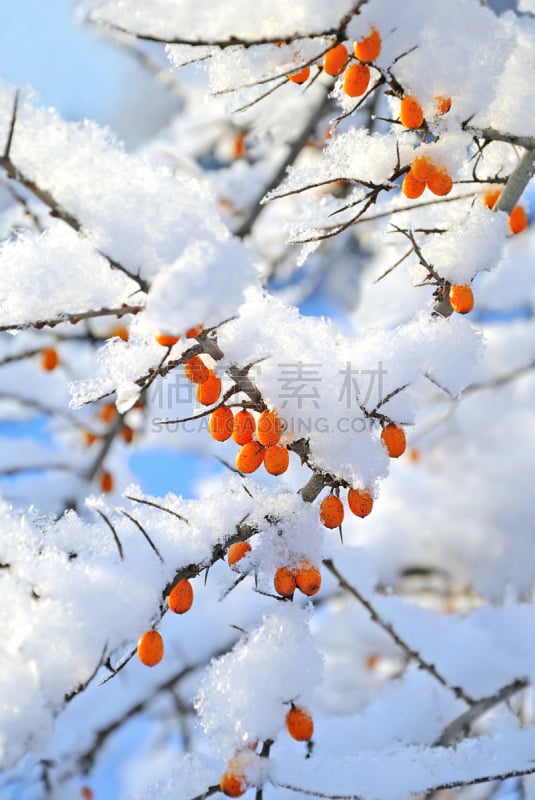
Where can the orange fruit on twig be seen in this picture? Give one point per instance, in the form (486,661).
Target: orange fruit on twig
(301,76)
(332,511)
(360,502)
(412,187)
(308,578)
(335,60)
(369,47)
(410,112)
(49,359)
(150,648)
(461,298)
(356,80)
(250,457)
(276,459)
(299,724)
(394,440)
(180,598)
(284,581)
(236,552)
(221,424)
(269,428)
(518,220)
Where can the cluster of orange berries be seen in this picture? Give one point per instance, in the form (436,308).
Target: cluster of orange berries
(360,501)
(518,219)
(150,647)
(167,340)
(234,781)
(356,76)
(305,577)
(264,449)
(423,172)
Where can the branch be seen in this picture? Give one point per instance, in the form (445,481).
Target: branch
(402,644)
(518,180)
(74,317)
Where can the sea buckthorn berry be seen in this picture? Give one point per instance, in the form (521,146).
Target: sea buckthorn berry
(461,298)
(236,552)
(221,424)
(192,333)
(284,581)
(360,502)
(233,784)
(335,60)
(180,598)
(244,427)
(106,482)
(108,412)
(332,511)
(423,168)
(269,428)
(369,47)
(196,370)
(440,183)
(120,332)
(89,438)
(356,80)
(49,359)
(87,793)
(443,104)
(165,340)
(411,187)
(518,220)
(250,457)
(209,391)
(127,434)
(394,440)
(150,648)
(238,151)
(308,578)
(300,77)
(410,112)
(276,459)
(299,724)
(491,197)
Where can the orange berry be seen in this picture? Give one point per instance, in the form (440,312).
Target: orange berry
(269,428)
(127,434)
(443,104)
(284,581)
(244,427)
(394,440)
(236,552)
(165,340)
(209,391)
(180,598)
(106,482)
(250,457)
(89,437)
(372,661)
(518,220)
(440,183)
(299,724)
(308,578)
(196,370)
(276,459)
(192,333)
(108,412)
(423,168)
(121,332)
(335,60)
(368,48)
(221,424)
(49,359)
(410,112)
(360,502)
(301,76)
(238,151)
(87,793)
(491,196)
(414,455)
(233,784)
(331,511)
(411,187)
(461,298)
(356,79)
(150,648)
